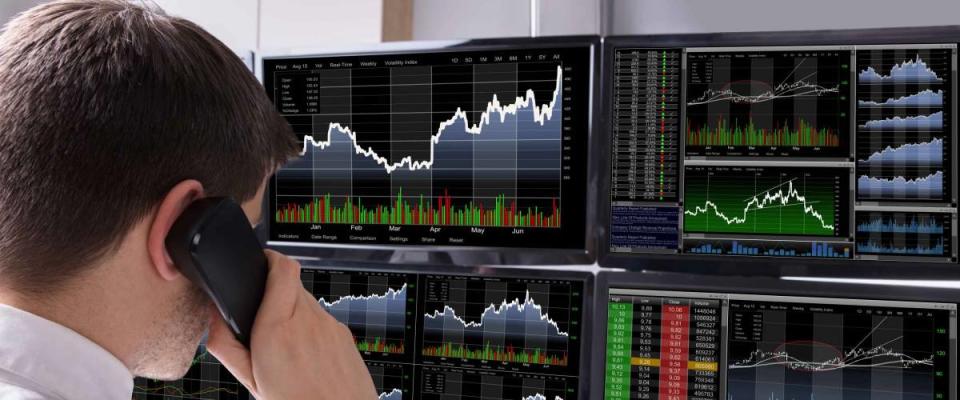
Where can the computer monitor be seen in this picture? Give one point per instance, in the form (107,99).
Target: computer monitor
(426,333)
(446,148)
(802,148)
(676,336)
(430,334)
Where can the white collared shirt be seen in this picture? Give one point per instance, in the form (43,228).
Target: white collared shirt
(43,360)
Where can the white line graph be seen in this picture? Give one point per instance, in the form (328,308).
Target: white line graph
(395,394)
(780,198)
(541,114)
(909,71)
(539,396)
(880,356)
(498,311)
(799,88)
(391,294)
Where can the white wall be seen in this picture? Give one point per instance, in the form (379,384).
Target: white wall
(676,16)
(569,17)
(10,8)
(286,24)
(283,24)
(312,23)
(234,22)
(469,19)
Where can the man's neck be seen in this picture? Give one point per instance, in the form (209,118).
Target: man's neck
(87,306)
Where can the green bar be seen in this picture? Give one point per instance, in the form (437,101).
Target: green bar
(619,343)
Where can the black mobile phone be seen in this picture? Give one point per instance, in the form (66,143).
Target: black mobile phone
(215,247)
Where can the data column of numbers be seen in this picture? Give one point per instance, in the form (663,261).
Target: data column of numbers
(646,125)
(705,343)
(674,348)
(619,339)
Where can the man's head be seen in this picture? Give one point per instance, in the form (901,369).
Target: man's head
(113,117)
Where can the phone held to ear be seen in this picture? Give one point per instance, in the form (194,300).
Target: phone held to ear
(215,247)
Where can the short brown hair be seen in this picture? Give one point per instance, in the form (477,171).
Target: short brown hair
(105,105)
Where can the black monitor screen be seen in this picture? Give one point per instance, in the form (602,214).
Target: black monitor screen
(484,148)
(692,345)
(437,336)
(833,152)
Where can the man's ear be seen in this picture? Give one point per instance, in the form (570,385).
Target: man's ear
(170,208)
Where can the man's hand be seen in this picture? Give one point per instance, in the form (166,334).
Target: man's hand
(297,350)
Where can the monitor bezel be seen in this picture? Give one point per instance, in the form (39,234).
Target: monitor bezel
(589,289)
(447,254)
(747,265)
(758,285)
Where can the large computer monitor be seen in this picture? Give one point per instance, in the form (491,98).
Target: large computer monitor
(428,333)
(468,152)
(798,148)
(431,334)
(671,336)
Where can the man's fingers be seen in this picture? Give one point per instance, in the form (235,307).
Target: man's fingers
(279,304)
(232,354)
(282,290)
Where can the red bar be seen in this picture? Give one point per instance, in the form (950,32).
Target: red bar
(440,208)
(449,206)
(555,214)
(674,350)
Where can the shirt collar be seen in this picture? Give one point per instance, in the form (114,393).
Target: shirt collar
(58,359)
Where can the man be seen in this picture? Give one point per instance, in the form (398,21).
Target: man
(113,118)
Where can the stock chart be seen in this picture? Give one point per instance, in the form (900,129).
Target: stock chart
(916,234)
(849,351)
(768,103)
(444,148)
(765,200)
(832,152)
(438,336)
(392,381)
(439,383)
(373,305)
(904,124)
(501,324)
(680,345)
